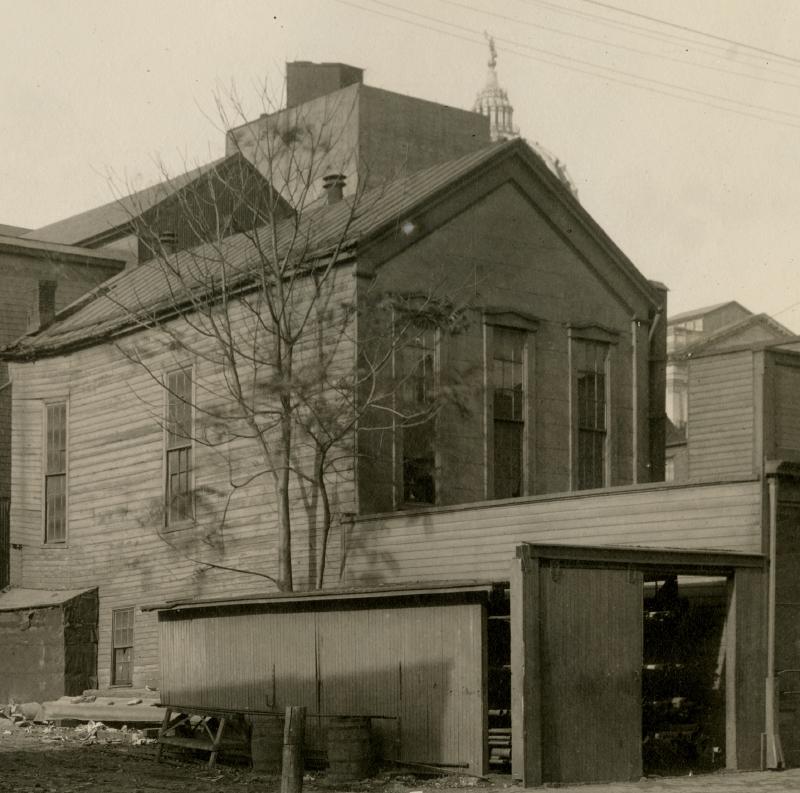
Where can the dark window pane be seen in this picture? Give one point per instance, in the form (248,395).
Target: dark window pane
(419,463)
(179,497)
(179,408)
(122,646)
(591,404)
(508,371)
(507,459)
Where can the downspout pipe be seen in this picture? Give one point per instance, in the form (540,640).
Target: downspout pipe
(774,751)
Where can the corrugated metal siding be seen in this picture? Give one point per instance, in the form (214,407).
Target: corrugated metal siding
(721,426)
(591,661)
(419,667)
(463,543)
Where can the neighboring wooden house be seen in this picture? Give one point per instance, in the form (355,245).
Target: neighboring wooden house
(719,327)
(39,279)
(558,439)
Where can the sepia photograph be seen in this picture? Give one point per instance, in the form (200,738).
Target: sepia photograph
(399,396)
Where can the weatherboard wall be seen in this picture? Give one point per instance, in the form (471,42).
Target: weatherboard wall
(723,416)
(459,543)
(116,539)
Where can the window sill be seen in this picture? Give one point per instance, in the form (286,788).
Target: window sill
(54,546)
(179,525)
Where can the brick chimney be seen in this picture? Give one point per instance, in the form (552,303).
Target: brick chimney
(333,184)
(47,303)
(306,80)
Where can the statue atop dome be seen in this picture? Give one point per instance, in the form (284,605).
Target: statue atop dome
(493,102)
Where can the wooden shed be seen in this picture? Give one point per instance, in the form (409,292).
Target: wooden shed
(578,659)
(411,658)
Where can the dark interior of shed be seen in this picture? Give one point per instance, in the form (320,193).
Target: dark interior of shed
(683,675)
(498,628)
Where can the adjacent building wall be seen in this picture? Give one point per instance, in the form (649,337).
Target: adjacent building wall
(369,135)
(19,312)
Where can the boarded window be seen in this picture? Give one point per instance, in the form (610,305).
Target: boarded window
(55,477)
(419,435)
(508,386)
(122,647)
(591,360)
(179,446)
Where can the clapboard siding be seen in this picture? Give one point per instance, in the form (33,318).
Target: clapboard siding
(722,421)
(786,410)
(115,491)
(479,542)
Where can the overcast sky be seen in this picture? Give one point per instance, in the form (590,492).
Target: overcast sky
(683,147)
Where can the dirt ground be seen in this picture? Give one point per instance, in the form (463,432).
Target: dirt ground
(63,760)
(43,759)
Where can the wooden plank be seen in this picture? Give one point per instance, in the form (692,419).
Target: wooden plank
(591,651)
(526,692)
(745,669)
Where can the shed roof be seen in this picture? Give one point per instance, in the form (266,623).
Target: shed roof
(18,598)
(381,592)
(134,299)
(58,252)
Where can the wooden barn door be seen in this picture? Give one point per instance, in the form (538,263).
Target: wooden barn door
(591,660)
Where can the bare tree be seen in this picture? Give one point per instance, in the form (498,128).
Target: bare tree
(248,277)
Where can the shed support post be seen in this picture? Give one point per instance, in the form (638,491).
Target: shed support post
(526,710)
(294,735)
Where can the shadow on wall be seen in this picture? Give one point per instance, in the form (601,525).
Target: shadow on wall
(417,671)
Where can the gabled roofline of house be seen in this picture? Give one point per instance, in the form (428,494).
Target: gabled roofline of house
(451,183)
(700,347)
(696,313)
(520,148)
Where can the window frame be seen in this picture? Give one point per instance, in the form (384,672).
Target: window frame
(169,522)
(607,339)
(62,474)
(131,629)
(405,378)
(495,319)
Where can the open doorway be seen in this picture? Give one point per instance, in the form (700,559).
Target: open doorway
(683,674)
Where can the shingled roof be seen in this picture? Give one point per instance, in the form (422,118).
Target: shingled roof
(138,297)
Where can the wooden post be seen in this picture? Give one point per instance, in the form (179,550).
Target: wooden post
(294,733)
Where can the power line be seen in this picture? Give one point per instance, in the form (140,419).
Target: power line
(660,83)
(615,45)
(733,42)
(709,48)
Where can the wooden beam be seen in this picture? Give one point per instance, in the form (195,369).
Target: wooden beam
(526,697)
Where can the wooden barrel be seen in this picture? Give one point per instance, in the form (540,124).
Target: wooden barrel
(266,743)
(349,743)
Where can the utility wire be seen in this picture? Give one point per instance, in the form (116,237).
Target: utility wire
(660,83)
(733,42)
(712,49)
(624,47)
